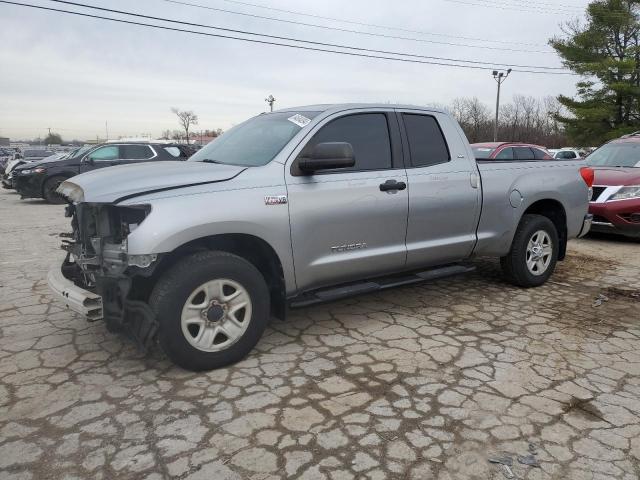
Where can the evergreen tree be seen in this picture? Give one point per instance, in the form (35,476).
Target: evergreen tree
(606,51)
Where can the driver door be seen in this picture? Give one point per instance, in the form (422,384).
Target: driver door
(344,226)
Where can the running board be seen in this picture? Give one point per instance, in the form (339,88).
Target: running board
(335,293)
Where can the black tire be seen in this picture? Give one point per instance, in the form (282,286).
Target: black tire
(173,289)
(514,264)
(49,190)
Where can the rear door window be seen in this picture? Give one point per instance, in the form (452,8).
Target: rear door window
(539,154)
(136,152)
(523,153)
(368,134)
(427,145)
(505,154)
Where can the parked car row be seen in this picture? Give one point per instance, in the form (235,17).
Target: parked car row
(40,172)
(506,151)
(568,153)
(8,155)
(615,202)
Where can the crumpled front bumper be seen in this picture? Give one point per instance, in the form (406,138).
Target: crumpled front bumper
(28,186)
(84,302)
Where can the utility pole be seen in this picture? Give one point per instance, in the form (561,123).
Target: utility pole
(106,129)
(499,77)
(270,100)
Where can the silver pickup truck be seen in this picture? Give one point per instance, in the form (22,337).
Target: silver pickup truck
(300,206)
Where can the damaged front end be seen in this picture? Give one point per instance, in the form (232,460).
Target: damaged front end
(98,263)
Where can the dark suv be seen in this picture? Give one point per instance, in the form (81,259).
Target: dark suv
(41,179)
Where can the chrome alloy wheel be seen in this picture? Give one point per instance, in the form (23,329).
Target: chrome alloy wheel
(216,315)
(539,253)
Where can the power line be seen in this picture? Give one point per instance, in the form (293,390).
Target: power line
(291,39)
(265,42)
(538,6)
(532,9)
(347,30)
(373,25)
(525,3)
(522,8)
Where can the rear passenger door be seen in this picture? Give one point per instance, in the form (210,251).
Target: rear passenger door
(444,190)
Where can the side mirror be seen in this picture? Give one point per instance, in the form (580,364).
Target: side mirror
(328,156)
(88,160)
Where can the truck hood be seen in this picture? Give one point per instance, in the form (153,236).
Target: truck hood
(113,184)
(613,176)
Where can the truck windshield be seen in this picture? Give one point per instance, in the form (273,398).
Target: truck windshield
(616,155)
(482,153)
(255,142)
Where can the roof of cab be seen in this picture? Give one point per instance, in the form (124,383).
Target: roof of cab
(337,107)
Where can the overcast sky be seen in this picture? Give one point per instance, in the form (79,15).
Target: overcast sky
(72,73)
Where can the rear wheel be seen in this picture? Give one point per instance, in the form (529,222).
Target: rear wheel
(212,308)
(49,190)
(534,252)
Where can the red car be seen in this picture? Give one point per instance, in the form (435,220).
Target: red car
(615,203)
(509,151)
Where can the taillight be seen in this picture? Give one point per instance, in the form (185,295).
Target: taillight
(588,175)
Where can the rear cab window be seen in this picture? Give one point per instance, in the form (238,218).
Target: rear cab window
(427,145)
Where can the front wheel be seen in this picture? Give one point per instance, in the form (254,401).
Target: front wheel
(49,190)
(534,252)
(212,308)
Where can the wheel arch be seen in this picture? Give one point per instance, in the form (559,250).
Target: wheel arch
(554,211)
(250,247)
(64,175)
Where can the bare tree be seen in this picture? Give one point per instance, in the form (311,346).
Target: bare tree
(473,116)
(186,118)
(525,119)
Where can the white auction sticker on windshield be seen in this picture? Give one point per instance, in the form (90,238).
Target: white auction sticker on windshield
(299,120)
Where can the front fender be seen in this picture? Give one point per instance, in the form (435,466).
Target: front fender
(177,220)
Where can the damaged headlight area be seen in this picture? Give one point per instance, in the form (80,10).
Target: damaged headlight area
(98,261)
(71,191)
(98,243)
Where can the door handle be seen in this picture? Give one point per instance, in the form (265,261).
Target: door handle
(392,185)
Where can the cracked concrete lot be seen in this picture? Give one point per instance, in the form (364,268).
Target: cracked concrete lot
(421,382)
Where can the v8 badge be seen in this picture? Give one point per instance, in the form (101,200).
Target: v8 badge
(275,199)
